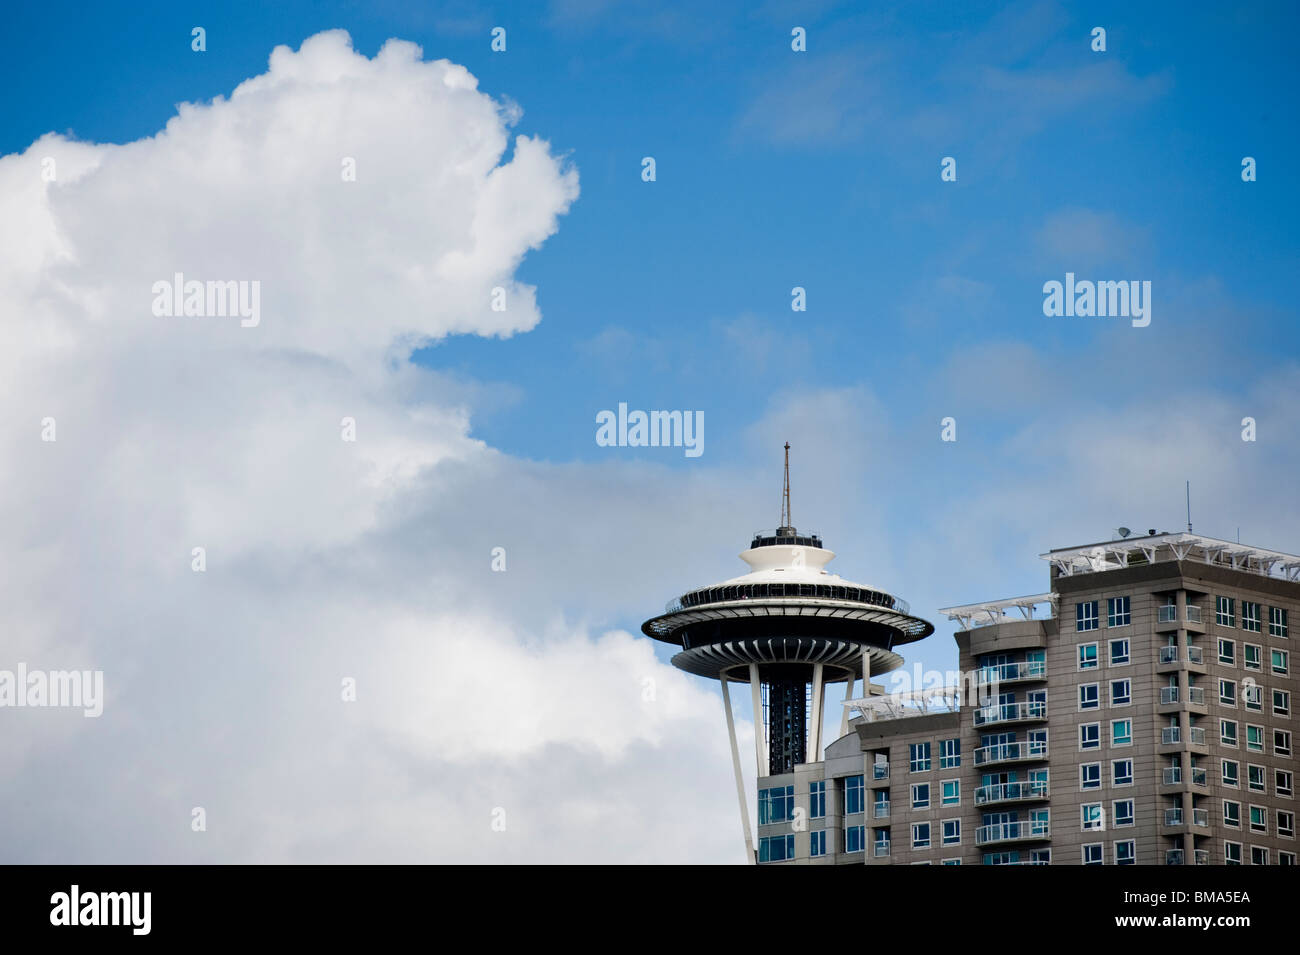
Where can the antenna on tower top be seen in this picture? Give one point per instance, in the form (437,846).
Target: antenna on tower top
(785,496)
(1189,507)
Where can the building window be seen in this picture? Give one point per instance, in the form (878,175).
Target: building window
(1090,736)
(854,796)
(1126,852)
(1091,816)
(1258,856)
(1276,622)
(1252,695)
(1252,656)
(1232,853)
(1123,810)
(1119,652)
(951,862)
(1088,656)
(1232,814)
(949,753)
(1254,738)
(1223,614)
(1250,616)
(1279,658)
(776,848)
(1282,782)
(920,795)
(952,832)
(775,805)
(1227,652)
(1092,854)
(1085,616)
(1286,823)
(1117,614)
(920,757)
(817,846)
(1281,742)
(920,835)
(1089,696)
(1121,732)
(1255,778)
(1228,692)
(854,839)
(1121,772)
(1121,693)
(951,795)
(1285,858)
(1231,772)
(1228,732)
(1258,819)
(1090,776)
(817,799)
(1281,702)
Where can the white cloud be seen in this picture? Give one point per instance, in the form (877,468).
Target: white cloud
(325,559)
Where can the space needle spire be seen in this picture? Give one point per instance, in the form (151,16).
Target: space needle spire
(786,522)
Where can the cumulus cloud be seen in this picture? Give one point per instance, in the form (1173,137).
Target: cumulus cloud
(325,558)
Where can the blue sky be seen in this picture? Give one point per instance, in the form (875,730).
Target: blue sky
(778,169)
(821,169)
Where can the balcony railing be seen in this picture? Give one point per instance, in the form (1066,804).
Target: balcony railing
(880,849)
(1011,712)
(1201,817)
(1007,672)
(1173,857)
(1173,817)
(880,771)
(880,810)
(1010,831)
(1168,654)
(1202,856)
(1169,694)
(1169,735)
(1011,752)
(1194,655)
(1196,694)
(1173,775)
(1193,614)
(1199,776)
(1197,736)
(1168,614)
(1011,792)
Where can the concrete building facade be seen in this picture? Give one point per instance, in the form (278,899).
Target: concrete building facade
(1147,719)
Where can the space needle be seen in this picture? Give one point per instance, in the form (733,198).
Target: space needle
(787,628)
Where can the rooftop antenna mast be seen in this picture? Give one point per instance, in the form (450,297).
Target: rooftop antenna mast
(785,496)
(1189,507)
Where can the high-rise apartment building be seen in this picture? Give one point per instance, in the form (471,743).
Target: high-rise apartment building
(1144,715)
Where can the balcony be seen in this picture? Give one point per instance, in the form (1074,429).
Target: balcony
(1019,752)
(1028,712)
(1173,776)
(1202,857)
(1167,614)
(1201,817)
(880,850)
(1199,776)
(880,810)
(1193,614)
(1196,736)
(1012,673)
(880,771)
(1171,658)
(1173,817)
(1011,792)
(1168,694)
(1171,736)
(1012,832)
(1195,656)
(1173,857)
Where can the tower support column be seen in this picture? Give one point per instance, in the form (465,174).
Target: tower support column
(760,725)
(815,731)
(740,782)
